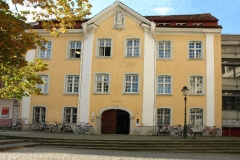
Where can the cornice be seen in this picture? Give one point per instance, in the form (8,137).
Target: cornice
(71,32)
(184,31)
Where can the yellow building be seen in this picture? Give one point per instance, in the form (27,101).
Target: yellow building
(123,72)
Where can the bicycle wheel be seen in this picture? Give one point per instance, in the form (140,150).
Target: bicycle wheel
(18,127)
(217,132)
(204,132)
(46,128)
(34,127)
(8,126)
(192,134)
(159,131)
(176,133)
(89,130)
(76,130)
(54,128)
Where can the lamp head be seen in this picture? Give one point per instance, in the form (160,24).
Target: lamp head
(185,91)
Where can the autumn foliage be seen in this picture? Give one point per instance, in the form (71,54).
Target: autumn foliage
(17,37)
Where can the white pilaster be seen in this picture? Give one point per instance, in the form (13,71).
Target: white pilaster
(148,79)
(26,100)
(85,80)
(210,79)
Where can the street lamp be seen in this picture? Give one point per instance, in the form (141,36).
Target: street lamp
(185,92)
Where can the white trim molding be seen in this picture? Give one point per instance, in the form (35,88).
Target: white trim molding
(210,106)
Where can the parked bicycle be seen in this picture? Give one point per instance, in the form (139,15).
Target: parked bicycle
(64,129)
(15,125)
(39,126)
(83,128)
(178,132)
(163,129)
(211,131)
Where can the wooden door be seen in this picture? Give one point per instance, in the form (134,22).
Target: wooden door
(109,122)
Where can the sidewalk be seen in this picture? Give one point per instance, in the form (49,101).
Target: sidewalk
(118,137)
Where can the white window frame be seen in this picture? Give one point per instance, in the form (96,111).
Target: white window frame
(43,54)
(197,52)
(41,115)
(198,118)
(73,84)
(44,87)
(70,117)
(164,49)
(74,51)
(196,85)
(131,83)
(105,45)
(102,82)
(133,47)
(164,83)
(164,115)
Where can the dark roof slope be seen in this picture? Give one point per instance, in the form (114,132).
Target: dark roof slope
(185,17)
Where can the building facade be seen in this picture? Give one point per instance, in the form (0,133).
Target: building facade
(123,72)
(230,84)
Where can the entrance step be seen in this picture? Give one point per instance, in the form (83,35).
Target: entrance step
(10,144)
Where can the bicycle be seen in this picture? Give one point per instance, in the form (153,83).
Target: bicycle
(39,126)
(211,130)
(64,129)
(15,125)
(178,132)
(162,129)
(83,128)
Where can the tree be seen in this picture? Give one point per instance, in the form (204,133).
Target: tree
(17,37)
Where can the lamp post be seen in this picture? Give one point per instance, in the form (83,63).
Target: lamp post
(185,92)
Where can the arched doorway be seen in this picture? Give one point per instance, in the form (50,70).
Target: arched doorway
(115,122)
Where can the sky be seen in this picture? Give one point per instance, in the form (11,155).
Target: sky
(227,11)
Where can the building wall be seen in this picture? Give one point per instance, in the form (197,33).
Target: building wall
(117,65)
(58,67)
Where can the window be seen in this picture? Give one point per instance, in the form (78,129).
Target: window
(47,52)
(164,84)
(72,83)
(133,47)
(75,49)
(230,100)
(102,83)
(181,24)
(195,50)
(196,85)
(163,116)
(39,114)
(44,87)
(131,83)
(198,24)
(230,70)
(70,115)
(163,24)
(164,49)
(104,47)
(196,116)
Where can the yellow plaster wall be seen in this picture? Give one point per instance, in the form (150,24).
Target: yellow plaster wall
(116,66)
(180,68)
(58,66)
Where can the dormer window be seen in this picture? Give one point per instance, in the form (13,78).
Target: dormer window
(198,24)
(163,24)
(181,24)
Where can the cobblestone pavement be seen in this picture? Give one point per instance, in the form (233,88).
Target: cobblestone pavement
(56,153)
